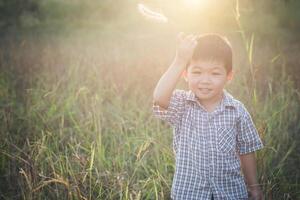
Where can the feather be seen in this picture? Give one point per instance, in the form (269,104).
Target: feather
(151,14)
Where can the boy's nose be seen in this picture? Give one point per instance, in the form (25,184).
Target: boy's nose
(204,79)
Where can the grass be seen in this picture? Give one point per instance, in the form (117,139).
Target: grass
(77,121)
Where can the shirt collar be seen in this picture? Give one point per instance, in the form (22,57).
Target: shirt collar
(227,100)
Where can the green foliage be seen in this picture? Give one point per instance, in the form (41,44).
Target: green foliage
(58,15)
(76,108)
(18,13)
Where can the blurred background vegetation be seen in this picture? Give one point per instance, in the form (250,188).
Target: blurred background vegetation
(76,86)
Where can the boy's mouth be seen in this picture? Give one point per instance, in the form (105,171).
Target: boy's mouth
(205,90)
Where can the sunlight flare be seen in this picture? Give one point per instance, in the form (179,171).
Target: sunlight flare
(195,4)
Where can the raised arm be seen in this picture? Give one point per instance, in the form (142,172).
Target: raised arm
(167,83)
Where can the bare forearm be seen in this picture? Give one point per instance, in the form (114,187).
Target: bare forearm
(249,168)
(167,83)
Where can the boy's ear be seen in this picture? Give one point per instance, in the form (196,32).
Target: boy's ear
(184,75)
(230,75)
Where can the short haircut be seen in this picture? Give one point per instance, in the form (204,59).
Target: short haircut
(215,47)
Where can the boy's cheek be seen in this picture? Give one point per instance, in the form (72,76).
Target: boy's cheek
(192,82)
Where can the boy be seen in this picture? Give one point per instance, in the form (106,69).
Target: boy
(214,136)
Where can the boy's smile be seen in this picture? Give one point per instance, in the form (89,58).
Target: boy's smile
(207,78)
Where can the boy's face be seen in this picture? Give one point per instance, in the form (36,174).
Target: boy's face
(207,78)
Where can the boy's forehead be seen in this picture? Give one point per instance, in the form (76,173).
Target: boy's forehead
(206,64)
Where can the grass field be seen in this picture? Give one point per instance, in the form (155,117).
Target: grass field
(76,119)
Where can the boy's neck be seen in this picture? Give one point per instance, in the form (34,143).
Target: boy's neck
(212,104)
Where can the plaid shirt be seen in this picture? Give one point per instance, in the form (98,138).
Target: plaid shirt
(207,146)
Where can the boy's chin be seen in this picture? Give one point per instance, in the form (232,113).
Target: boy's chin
(207,96)
(203,98)
(204,94)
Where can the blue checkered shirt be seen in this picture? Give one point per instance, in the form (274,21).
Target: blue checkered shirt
(207,146)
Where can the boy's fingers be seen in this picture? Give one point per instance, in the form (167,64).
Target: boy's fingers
(180,36)
(195,38)
(192,41)
(195,43)
(190,37)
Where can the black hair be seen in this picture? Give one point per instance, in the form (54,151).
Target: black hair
(216,47)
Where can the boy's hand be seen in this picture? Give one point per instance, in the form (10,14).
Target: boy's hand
(185,47)
(256,193)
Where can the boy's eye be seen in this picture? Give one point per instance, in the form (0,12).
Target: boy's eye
(216,73)
(196,72)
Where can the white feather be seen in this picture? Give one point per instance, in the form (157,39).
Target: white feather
(151,14)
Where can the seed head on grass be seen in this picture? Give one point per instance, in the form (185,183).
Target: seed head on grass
(152,15)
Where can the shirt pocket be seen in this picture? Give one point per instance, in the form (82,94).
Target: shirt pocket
(226,141)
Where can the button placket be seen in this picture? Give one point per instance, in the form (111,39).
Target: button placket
(210,125)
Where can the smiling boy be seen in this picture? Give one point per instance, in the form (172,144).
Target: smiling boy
(214,136)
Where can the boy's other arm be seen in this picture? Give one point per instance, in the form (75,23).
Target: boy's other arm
(167,83)
(248,163)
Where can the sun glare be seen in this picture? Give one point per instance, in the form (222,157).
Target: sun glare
(195,3)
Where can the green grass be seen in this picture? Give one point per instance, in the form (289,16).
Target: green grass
(77,123)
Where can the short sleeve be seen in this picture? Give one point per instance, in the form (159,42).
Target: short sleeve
(248,139)
(173,113)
